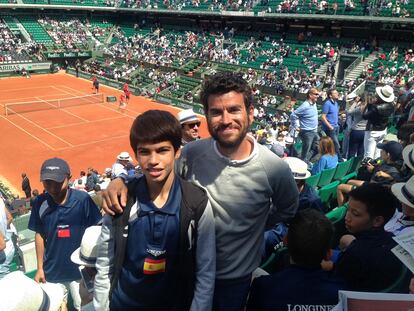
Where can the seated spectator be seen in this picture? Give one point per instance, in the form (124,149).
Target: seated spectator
(367,264)
(386,171)
(120,166)
(403,222)
(328,159)
(308,198)
(304,282)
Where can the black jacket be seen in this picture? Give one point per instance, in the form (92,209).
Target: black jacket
(378,116)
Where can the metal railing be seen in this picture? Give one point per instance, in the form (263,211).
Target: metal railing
(351,67)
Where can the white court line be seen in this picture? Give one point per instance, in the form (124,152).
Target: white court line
(31,135)
(30,121)
(94,142)
(79,123)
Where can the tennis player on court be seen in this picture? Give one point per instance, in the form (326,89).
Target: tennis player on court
(126,92)
(95,84)
(122,103)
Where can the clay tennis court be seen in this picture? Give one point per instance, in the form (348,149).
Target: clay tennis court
(82,131)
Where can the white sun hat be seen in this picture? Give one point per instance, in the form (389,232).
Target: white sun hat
(404,192)
(386,93)
(298,167)
(21,293)
(85,255)
(187,115)
(124,156)
(408,156)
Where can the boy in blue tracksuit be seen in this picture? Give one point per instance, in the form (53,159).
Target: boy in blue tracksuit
(168,261)
(60,217)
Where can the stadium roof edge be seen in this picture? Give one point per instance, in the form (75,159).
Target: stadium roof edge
(258,15)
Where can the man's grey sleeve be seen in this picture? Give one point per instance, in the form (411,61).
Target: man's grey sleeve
(104,266)
(285,199)
(205,262)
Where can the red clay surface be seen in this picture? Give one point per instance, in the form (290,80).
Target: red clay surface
(90,135)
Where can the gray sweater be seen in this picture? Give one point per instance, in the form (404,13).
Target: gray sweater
(358,123)
(244,195)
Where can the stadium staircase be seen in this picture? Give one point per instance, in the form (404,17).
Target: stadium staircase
(356,72)
(321,71)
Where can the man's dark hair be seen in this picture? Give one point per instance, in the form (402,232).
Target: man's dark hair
(155,126)
(329,92)
(225,82)
(309,237)
(377,198)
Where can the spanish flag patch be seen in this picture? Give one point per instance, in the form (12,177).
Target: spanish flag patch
(154,266)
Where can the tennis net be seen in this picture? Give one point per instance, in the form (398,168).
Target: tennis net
(47,104)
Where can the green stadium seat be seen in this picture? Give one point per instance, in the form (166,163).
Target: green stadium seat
(313,180)
(326,177)
(276,261)
(337,217)
(327,195)
(342,169)
(401,283)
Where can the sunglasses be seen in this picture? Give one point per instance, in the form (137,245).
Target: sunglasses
(192,125)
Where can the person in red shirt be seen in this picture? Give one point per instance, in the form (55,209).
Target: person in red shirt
(122,102)
(126,91)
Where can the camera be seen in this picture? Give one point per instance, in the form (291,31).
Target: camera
(370,161)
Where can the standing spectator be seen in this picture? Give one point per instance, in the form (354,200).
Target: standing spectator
(169,243)
(329,118)
(59,217)
(305,118)
(26,186)
(377,114)
(190,125)
(6,243)
(358,125)
(265,191)
(328,159)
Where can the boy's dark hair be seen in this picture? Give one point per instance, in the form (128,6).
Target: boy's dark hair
(225,82)
(377,198)
(309,237)
(155,126)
